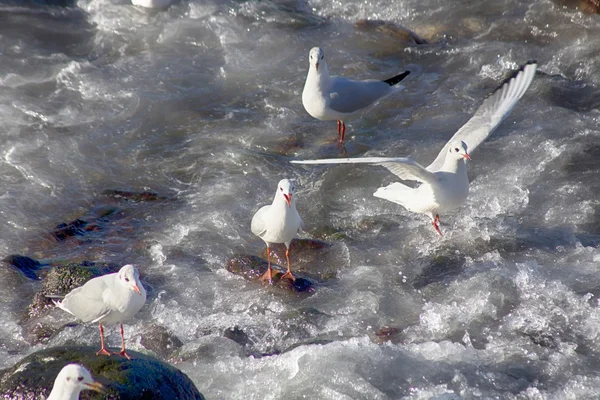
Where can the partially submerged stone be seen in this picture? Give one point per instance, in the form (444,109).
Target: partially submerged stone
(28,266)
(160,340)
(252,268)
(142,377)
(387,28)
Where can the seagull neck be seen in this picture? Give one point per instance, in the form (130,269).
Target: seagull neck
(321,77)
(455,165)
(60,392)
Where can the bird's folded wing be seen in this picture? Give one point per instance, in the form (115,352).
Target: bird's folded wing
(493,110)
(348,96)
(88,304)
(404,168)
(258,225)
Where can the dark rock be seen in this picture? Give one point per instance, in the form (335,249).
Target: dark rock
(77,227)
(135,196)
(308,256)
(390,29)
(160,340)
(586,6)
(28,266)
(142,377)
(252,268)
(387,334)
(237,335)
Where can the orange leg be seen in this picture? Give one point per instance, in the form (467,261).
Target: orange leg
(288,274)
(436,224)
(343,133)
(269,274)
(339,125)
(102,351)
(123,352)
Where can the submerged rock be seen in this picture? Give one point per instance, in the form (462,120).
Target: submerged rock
(160,340)
(28,266)
(390,29)
(142,377)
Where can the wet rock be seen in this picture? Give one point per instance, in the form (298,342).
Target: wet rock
(390,29)
(441,268)
(237,335)
(387,334)
(160,340)
(76,227)
(28,266)
(586,6)
(134,196)
(142,377)
(252,268)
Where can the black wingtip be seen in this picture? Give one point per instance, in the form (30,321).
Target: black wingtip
(514,73)
(393,80)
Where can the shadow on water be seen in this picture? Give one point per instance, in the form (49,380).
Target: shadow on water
(55,29)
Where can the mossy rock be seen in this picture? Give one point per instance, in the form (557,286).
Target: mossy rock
(142,377)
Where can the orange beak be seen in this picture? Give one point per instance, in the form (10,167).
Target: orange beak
(288,199)
(98,387)
(467,156)
(137,289)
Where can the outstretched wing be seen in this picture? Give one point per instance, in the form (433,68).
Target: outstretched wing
(404,168)
(493,110)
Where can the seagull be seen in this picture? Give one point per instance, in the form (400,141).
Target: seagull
(278,223)
(331,98)
(71,380)
(444,184)
(108,298)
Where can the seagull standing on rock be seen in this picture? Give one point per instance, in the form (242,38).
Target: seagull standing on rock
(278,223)
(71,380)
(444,183)
(109,299)
(329,98)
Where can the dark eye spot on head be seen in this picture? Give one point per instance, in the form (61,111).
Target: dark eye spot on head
(456,149)
(281,189)
(322,57)
(126,279)
(68,378)
(80,378)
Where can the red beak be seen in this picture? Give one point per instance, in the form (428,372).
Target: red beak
(288,199)
(137,289)
(317,66)
(467,156)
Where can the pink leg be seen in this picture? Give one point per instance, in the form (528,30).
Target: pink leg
(288,274)
(102,351)
(436,224)
(123,352)
(269,274)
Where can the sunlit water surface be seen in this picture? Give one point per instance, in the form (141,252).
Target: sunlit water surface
(201,104)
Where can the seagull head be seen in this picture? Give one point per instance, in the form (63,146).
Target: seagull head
(285,189)
(74,378)
(316,56)
(130,278)
(459,149)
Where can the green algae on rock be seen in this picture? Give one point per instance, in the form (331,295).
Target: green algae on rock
(142,377)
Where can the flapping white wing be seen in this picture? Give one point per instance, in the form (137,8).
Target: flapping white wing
(493,110)
(404,168)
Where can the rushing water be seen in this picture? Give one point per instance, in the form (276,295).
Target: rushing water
(201,103)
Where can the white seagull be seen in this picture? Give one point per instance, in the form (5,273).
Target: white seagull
(71,380)
(330,98)
(278,223)
(107,299)
(444,183)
